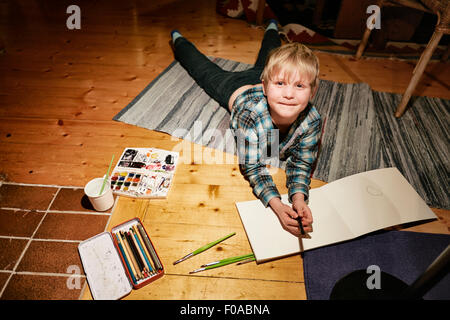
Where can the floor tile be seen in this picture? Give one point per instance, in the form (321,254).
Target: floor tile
(26,197)
(51,257)
(72,199)
(71,226)
(41,287)
(19,223)
(43,268)
(10,252)
(4,276)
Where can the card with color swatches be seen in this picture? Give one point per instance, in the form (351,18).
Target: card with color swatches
(144,172)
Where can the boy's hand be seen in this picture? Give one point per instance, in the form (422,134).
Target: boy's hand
(286,215)
(302,209)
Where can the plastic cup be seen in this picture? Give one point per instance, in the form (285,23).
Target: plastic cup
(103,201)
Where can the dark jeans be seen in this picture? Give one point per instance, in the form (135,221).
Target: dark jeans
(218,83)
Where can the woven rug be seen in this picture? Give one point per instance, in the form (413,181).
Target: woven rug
(360,132)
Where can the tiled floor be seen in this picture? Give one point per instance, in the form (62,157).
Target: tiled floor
(40,229)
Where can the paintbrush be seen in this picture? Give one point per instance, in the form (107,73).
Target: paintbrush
(106,176)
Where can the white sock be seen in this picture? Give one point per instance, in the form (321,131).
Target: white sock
(272,25)
(175,35)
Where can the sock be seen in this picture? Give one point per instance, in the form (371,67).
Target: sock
(175,34)
(273,24)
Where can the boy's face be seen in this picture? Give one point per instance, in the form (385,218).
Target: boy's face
(287,96)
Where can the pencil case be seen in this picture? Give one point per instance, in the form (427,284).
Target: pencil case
(116,262)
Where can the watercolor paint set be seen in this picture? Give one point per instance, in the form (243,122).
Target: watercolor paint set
(144,172)
(119,261)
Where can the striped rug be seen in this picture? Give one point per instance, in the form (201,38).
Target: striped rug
(360,132)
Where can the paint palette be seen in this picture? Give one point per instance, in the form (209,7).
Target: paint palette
(144,172)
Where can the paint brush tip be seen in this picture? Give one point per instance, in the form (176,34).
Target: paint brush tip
(197,270)
(184,258)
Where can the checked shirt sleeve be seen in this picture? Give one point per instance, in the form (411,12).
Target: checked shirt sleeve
(251,146)
(299,163)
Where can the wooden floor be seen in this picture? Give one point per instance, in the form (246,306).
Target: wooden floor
(60,88)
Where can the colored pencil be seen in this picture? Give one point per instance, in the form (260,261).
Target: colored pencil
(141,251)
(146,270)
(221,264)
(107,176)
(237,258)
(125,259)
(133,256)
(147,254)
(150,248)
(205,247)
(135,252)
(130,253)
(132,269)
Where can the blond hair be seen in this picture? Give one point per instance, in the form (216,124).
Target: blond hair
(291,58)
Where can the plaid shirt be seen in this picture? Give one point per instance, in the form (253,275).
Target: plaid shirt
(256,137)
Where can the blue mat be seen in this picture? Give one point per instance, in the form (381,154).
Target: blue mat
(405,255)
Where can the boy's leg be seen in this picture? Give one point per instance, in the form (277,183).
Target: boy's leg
(217,83)
(270,41)
(206,73)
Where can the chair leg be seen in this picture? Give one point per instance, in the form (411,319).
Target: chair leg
(366,35)
(418,71)
(363,43)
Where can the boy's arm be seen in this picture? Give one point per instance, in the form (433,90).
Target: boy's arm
(299,163)
(261,182)
(250,146)
(298,172)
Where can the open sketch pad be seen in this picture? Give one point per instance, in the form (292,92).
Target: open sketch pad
(342,210)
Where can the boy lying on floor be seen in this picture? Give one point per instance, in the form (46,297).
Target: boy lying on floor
(273,95)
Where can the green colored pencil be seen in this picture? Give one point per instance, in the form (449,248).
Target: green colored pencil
(106,177)
(205,247)
(221,264)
